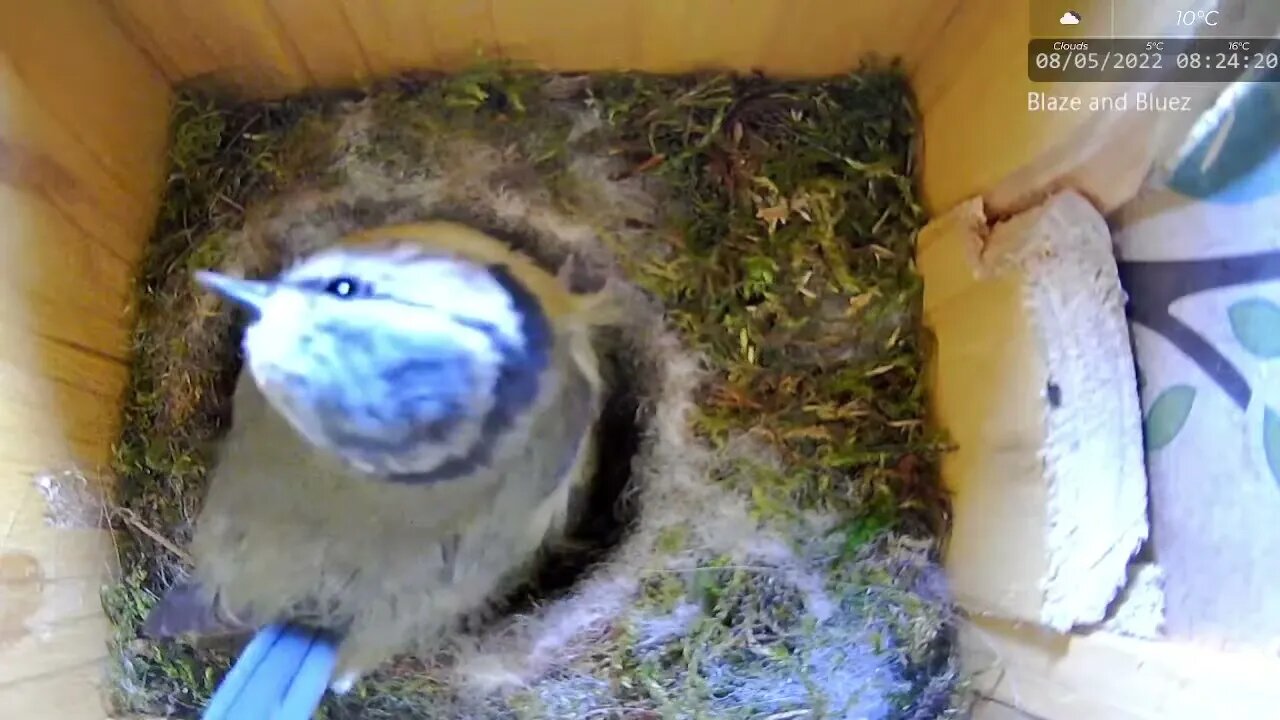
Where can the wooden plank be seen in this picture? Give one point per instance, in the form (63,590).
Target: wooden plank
(290,40)
(139,36)
(51,622)
(65,286)
(88,77)
(24,366)
(83,130)
(53,647)
(325,39)
(567,34)
(995,419)
(53,395)
(294,41)
(431,34)
(76,693)
(61,554)
(233,44)
(41,155)
(164,33)
(1110,677)
(818,37)
(716,34)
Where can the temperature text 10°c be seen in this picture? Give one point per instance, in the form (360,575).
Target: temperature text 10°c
(1193,18)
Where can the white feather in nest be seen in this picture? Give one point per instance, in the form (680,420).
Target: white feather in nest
(547,660)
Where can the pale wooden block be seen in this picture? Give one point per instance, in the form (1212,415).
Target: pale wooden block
(1102,676)
(1034,379)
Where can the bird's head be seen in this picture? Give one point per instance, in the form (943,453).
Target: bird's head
(395,353)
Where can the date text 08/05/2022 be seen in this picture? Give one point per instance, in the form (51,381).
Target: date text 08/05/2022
(1122,102)
(1159,59)
(1066,57)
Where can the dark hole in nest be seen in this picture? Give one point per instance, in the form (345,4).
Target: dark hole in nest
(607,511)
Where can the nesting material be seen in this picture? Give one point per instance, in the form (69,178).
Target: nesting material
(1036,377)
(766,527)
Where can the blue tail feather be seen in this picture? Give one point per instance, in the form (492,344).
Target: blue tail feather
(282,674)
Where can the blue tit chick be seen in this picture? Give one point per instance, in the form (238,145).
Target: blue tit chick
(414,420)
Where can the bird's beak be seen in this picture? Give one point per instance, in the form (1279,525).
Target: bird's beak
(249,294)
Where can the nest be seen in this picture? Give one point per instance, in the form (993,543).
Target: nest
(761,541)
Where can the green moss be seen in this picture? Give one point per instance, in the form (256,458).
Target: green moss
(795,275)
(790,269)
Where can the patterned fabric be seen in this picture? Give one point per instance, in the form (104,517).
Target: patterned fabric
(1200,261)
(1201,291)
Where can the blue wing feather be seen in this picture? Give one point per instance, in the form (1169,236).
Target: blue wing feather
(281,675)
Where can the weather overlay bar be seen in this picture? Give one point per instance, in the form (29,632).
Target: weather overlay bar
(1155,59)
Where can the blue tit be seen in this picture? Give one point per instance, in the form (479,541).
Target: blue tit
(413,423)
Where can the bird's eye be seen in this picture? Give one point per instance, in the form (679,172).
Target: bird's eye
(345,287)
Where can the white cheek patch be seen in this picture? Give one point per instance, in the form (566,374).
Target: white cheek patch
(442,326)
(436,327)
(469,294)
(462,290)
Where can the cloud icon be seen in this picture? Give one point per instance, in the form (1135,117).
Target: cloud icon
(1070,17)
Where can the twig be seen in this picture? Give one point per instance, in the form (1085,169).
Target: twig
(132,519)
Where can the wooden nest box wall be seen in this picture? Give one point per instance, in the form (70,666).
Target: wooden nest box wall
(1050,509)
